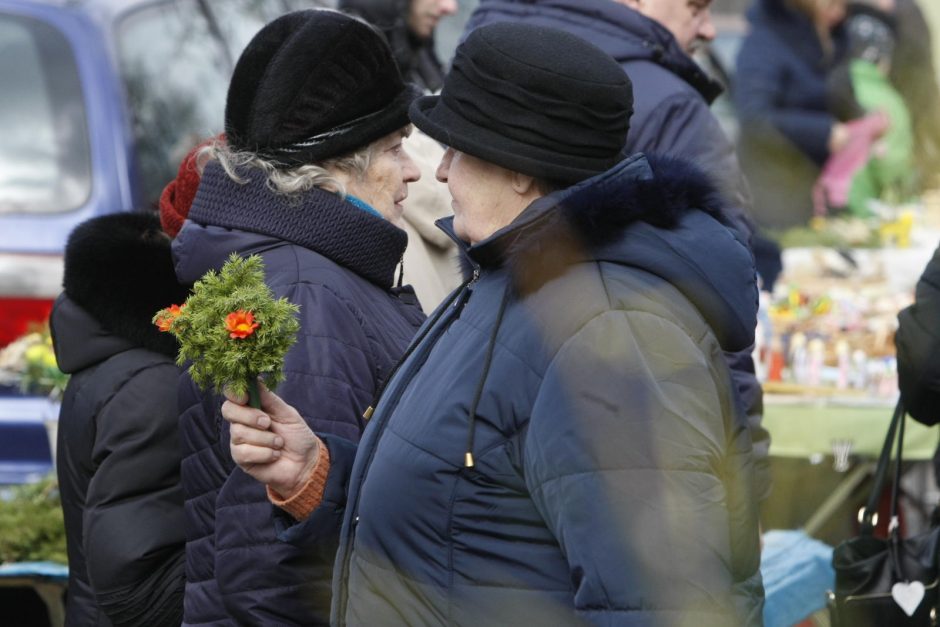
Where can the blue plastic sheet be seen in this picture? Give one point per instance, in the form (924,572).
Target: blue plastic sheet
(50,571)
(797,572)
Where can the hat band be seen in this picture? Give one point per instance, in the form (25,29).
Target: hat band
(319,138)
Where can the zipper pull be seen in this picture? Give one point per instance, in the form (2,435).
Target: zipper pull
(476,276)
(464,295)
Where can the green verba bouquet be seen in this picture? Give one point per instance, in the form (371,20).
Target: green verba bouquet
(231,329)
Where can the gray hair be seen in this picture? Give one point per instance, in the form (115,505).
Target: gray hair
(293,182)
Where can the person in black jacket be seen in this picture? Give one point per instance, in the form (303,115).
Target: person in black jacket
(918,346)
(118,454)
(408,26)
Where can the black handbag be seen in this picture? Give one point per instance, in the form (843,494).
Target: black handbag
(886,582)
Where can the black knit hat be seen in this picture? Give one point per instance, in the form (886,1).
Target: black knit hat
(534,100)
(313,85)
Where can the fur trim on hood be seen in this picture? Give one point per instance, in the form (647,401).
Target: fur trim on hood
(119,269)
(659,215)
(575,222)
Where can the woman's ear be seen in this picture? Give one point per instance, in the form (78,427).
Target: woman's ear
(523,184)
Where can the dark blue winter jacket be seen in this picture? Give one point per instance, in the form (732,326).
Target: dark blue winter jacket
(582,372)
(780,96)
(336,262)
(670,117)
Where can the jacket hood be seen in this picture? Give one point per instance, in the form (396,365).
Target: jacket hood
(621,32)
(118,274)
(659,215)
(79,340)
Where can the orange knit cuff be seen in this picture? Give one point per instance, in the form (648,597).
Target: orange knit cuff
(310,495)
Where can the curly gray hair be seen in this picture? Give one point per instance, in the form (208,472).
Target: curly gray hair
(292,182)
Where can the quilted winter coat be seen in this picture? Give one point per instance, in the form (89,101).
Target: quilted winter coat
(336,262)
(581,372)
(118,452)
(671,117)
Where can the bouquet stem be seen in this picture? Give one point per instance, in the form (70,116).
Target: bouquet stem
(254,394)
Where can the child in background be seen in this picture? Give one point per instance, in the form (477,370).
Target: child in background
(877,163)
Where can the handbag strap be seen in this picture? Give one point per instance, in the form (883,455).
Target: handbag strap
(867,527)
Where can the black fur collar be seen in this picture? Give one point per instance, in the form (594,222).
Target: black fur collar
(569,226)
(119,269)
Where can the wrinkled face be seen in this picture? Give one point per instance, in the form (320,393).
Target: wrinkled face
(385,184)
(483,198)
(689,21)
(423,15)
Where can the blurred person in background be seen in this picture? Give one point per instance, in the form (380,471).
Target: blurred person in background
(787,130)
(562,445)
(860,90)
(118,452)
(652,41)
(430,264)
(914,75)
(311,176)
(408,26)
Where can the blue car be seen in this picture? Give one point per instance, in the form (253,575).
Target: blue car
(99,101)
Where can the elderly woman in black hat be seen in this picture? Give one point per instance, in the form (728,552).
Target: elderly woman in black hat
(560,444)
(311,177)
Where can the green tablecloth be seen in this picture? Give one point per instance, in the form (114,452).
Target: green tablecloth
(806,428)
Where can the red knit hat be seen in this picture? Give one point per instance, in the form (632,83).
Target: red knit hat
(178,195)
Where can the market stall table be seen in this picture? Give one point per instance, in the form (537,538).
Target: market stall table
(842,429)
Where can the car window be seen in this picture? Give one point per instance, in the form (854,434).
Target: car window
(176,58)
(44,150)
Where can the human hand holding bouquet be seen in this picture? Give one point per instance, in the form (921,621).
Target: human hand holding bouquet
(231,329)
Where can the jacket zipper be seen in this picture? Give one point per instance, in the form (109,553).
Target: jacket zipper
(444,316)
(458,302)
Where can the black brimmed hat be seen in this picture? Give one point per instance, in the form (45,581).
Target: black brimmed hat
(313,85)
(533,100)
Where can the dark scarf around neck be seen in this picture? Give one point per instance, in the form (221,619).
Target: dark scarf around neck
(319,220)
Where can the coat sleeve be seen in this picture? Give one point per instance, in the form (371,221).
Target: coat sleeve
(322,527)
(133,520)
(751,395)
(330,378)
(759,82)
(683,126)
(918,348)
(624,458)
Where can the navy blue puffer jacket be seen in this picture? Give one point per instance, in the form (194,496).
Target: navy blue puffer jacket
(582,372)
(337,262)
(671,117)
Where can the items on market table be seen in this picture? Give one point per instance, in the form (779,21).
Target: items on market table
(829,336)
(29,363)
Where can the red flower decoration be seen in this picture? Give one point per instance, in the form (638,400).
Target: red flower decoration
(168,316)
(240,324)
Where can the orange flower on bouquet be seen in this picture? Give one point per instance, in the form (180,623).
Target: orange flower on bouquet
(240,324)
(166,317)
(233,304)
